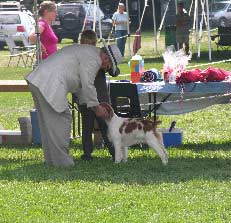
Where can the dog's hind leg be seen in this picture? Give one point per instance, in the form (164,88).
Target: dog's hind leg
(156,143)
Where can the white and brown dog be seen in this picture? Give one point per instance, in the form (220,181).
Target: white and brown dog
(124,132)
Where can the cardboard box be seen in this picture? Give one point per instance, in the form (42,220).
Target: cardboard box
(26,129)
(173,138)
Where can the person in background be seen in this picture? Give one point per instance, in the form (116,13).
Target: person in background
(119,20)
(69,70)
(48,39)
(182,28)
(88,116)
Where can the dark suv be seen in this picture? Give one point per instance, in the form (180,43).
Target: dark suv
(220,13)
(70,19)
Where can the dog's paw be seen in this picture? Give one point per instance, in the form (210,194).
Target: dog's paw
(117,162)
(165,161)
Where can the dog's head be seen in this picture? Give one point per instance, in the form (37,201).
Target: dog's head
(109,109)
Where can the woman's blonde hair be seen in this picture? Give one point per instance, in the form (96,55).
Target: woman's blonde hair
(88,37)
(46,5)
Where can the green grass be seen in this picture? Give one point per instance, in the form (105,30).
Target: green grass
(193,187)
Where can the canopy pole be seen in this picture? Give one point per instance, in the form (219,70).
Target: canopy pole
(38,43)
(176,6)
(162,21)
(200,29)
(203,19)
(154,25)
(85,19)
(94,22)
(128,28)
(203,11)
(194,25)
(196,7)
(208,31)
(100,24)
(190,9)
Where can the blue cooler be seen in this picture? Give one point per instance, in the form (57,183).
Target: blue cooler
(173,138)
(36,136)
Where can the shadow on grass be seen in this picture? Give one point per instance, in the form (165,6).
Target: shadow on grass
(209,146)
(141,168)
(20,147)
(154,59)
(216,56)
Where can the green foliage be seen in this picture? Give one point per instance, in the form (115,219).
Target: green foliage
(193,187)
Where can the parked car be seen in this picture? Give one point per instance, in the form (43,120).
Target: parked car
(10,6)
(14,6)
(220,13)
(70,19)
(15,22)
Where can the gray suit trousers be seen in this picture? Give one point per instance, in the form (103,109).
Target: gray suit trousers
(55,131)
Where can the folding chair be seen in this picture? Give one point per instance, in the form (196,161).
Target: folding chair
(125,100)
(30,50)
(15,51)
(25,41)
(224,37)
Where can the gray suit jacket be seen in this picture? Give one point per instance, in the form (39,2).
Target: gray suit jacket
(71,69)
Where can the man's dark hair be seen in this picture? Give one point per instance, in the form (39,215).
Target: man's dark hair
(88,37)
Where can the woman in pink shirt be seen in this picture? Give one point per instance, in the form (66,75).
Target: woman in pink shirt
(48,39)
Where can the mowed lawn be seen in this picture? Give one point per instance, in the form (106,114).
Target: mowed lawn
(195,186)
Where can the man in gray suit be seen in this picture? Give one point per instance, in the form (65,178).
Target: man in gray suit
(71,69)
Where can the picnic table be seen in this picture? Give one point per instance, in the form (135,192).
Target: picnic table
(22,86)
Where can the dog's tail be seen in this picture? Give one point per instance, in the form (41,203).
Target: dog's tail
(152,123)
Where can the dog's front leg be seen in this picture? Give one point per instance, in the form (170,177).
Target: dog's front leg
(125,154)
(118,152)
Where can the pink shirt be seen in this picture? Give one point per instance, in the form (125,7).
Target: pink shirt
(48,39)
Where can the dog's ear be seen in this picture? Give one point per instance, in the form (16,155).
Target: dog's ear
(109,108)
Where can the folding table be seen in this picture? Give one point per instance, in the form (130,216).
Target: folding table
(169,98)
